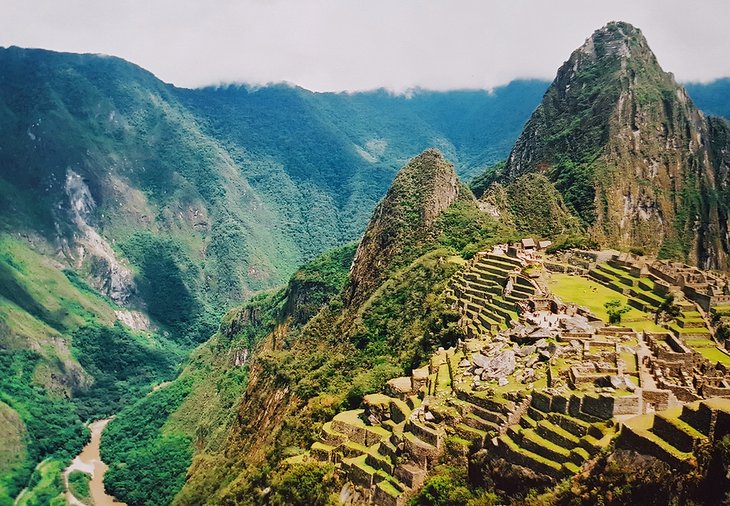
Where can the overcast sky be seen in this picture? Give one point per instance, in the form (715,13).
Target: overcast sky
(330,45)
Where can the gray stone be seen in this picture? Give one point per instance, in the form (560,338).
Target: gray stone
(544,355)
(526,351)
(429,417)
(541,343)
(502,381)
(478,371)
(629,384)
(502,364)
(531,361)
(464,363)
(617,381)
(576,344)
(480,360)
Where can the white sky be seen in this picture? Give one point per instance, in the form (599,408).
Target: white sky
(329,45)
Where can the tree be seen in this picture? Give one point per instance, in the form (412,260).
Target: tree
(615,310)
(667,308)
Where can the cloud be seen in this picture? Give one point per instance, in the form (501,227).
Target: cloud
(333,45)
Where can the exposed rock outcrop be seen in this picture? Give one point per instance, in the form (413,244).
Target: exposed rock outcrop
(405,218)
(86,246)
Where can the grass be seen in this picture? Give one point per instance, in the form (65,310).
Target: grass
(78,484)
(593,296)
(712,354)
(46,486)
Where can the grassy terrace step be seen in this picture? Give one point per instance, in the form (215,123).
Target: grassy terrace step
(620,275)
(504,259)
(378,461)
(535,413)
(520,456)
(466,407)
(686,332)
(472,420)
(350,424)
(474,281)
(668,426)
(321,451)
(471,433)
(399,410)
(353,449)
(521,293)
(497,279)
(691,323)
(359,471)
(651,444)
(386,487)
(557,434)
(331,436)
(577,427)
(526,422)
(579,455)
(535,443)
(494,267)
(498,264)
(648,298)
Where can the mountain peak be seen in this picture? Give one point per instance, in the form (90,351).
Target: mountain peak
(404,219)
(627,149)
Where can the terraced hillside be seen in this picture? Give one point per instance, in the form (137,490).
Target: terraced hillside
(555,437)
(676,434)
(486,293)
(647,293)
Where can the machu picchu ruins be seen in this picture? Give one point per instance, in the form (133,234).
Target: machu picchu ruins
(542,380)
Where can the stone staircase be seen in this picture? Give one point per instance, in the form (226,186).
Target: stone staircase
(486,293)
(674,435)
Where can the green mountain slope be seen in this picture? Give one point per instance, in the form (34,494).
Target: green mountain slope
(284,375)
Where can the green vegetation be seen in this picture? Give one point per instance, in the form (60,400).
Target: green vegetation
(169,280)
(147,464)
(615,310)
(593,296)
(449,487)
(538,208)
(78,485)
(45,487)
(123,366)
(309,483)
(53,428)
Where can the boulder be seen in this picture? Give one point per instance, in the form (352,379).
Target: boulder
(501,365)
(526,351)
(480,360)
(629,384)
(617,382)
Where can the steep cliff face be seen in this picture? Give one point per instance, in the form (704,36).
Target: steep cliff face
(630,153)
(405,218)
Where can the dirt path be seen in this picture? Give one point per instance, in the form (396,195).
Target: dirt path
(89,461)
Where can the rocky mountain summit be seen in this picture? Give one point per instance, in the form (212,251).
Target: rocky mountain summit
(407,215)
(630,153)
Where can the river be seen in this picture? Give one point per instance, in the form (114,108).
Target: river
(89,461)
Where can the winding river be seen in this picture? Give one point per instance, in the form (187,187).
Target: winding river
(89,461)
